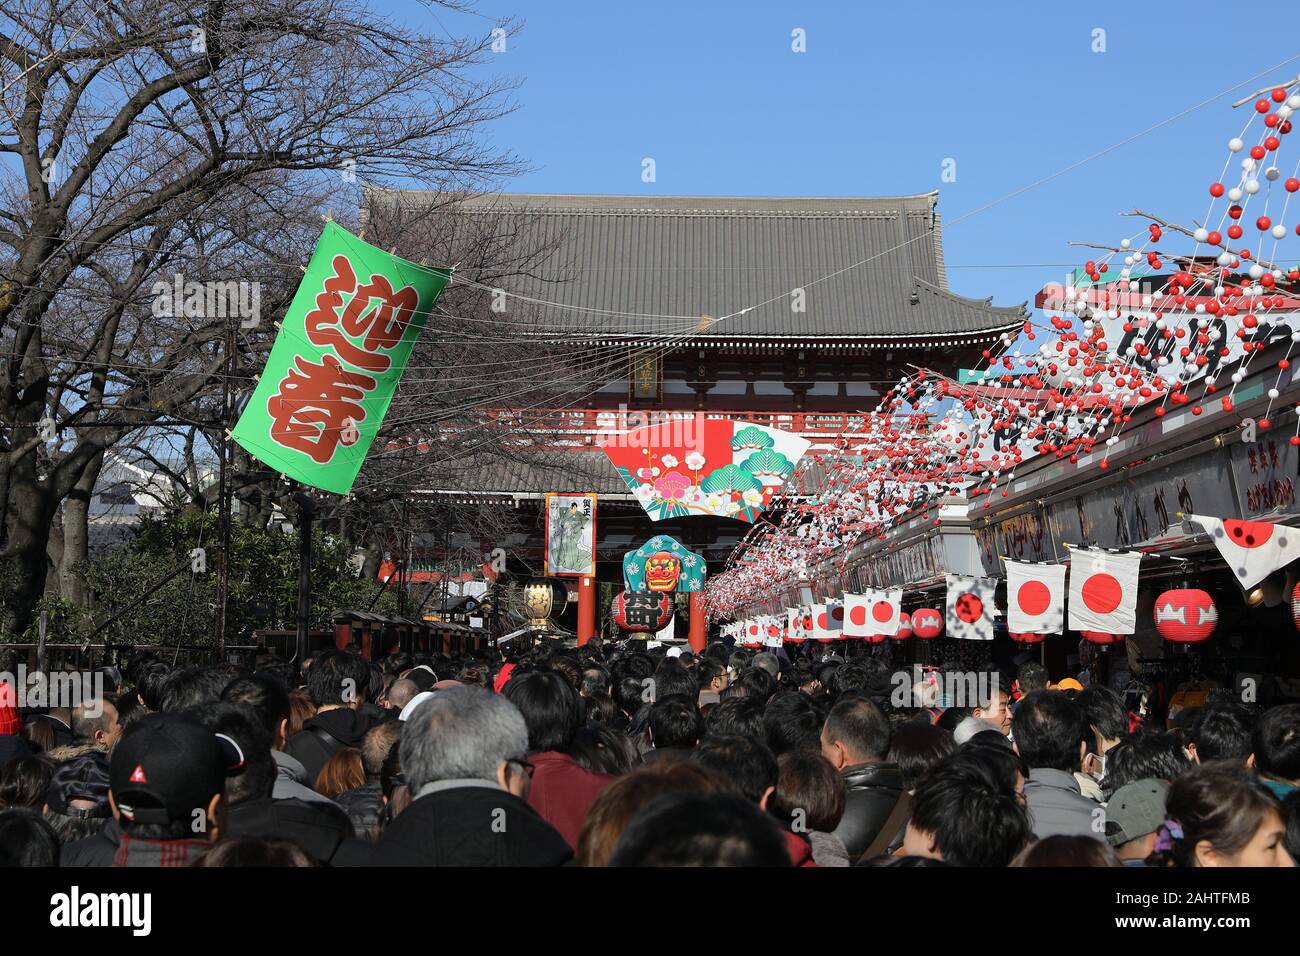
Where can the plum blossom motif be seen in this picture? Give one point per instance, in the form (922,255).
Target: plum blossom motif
(670,461)
(753,498)
(644,494)
(714,503)
(694,495)
(647,474)
(672,486)
(695,461)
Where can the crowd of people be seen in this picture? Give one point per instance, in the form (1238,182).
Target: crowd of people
(616,756)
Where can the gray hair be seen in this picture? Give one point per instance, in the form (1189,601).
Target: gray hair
(968,728)
(461,733)
(768,662)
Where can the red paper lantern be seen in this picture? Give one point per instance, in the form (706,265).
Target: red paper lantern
(642,611)
(1185,615)
(927,623)
(1027,637)
(904,627)
(876,638)
(1102,638)
(1295,605)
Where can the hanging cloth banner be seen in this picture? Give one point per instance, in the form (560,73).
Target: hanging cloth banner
(1103,590)
(1252,549)
(971,609)
(341,350)
(1035,598)
(821,623)
(794,624)
(873,613)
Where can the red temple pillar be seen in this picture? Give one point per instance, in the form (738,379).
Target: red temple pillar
(699,633)
(586,610)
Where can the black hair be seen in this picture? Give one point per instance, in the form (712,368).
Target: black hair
(550,708)
(756,683)
(26,839)
(338,677)
(1291,811)
(746,762)
(1220,802)
(915,747)
(861,726)
(1032,676)
(25,781)
(967,804)
(603,750)
(256,778)
(595,680)
(265,696)
(672,679)
(1105,712)
(737,715)
(1276,743)
(1048,728)
(791,721)
(1222,731)
(191,687)
(810,795)
(1156,754)
(689,829)
(149,684)
(707,671)
(675,721)
(629,694)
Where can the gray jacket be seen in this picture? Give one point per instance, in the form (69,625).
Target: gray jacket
(1056,807)
(291,780)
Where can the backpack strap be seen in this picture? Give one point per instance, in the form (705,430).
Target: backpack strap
(897,817)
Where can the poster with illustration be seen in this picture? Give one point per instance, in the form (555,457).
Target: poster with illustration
(571,535)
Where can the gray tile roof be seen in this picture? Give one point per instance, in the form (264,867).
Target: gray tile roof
(680,257)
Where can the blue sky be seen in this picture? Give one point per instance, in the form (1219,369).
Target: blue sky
(883,95)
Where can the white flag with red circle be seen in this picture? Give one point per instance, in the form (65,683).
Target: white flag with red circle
(773,631)
(1252,549)
(794,624)
(821,623)
(835,618)
(1035,598)
(971,608)
(872,613)
(1103,590)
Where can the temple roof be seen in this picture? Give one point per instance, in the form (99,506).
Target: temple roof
(869,267)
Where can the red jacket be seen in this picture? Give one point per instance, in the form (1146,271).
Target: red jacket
(800,849)
(563,792)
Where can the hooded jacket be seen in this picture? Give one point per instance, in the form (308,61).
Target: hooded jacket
(291,780)
(345,725)
(873,790)
(324,832)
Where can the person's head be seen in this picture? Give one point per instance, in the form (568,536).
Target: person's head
(267,699)
(738,715)
(1219,814)
(94,721)
(746,762)
(755,682)
(1276,744)
(338,679)
(1291,811)
(1063,850)
(1107,718)
(970,727)
(1049,730)
(967,812)
(810,794)
(856,732)
(1221,730)
(994,704)
(26,839)
(916,746)
(1133,815)
(701,829)
(675,722)
(550,707)
(252,774)
(768,662)
(1159,755)
(255,851)
(629,694)
(76,800)
(24,782)
(672,679)
(301,710)
(375,746)
(467,733)
(400,693)
(595,680)
(602,749)
(1032,676)
(167,776)
(191,687)
(618,803)
(791,721)
(343,771)
(711,675)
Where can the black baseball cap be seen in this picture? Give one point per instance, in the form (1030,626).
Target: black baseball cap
(84,779)
(166,767)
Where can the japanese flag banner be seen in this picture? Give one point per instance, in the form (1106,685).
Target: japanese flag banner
(1035,597)
(794,624)
(1252,549)
(875,612)
(773,631)
(821,623)
(970,609)
(341,350)
(1103,590)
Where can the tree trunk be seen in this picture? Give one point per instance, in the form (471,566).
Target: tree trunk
(76,535)
(30,516)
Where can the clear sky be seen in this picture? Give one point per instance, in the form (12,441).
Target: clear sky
(885,93)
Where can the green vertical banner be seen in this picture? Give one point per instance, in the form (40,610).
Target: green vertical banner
(337,359)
